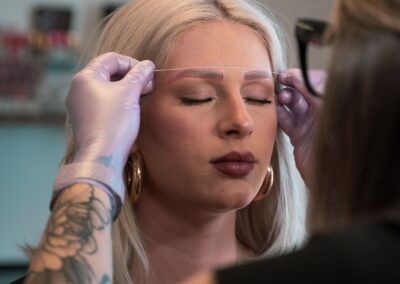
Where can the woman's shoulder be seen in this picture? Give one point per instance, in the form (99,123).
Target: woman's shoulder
(376,236)
(376,244)
(360,254)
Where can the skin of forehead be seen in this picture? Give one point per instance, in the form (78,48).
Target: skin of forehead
(222,50)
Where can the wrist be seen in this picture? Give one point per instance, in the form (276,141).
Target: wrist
(81,192)
(107,159)
(96,174)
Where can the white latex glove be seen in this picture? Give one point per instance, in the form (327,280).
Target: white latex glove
(104,114)
(298,113)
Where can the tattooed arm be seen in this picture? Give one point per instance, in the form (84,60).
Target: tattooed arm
(76,245)
(104,117)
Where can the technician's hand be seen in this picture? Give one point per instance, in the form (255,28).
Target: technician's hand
(298,112)
(104,112)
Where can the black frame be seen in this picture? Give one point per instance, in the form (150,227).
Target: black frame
(309,31)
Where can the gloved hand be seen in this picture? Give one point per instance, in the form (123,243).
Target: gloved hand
(298,112)
(103,111)
(104,114)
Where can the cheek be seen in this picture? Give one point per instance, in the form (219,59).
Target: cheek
(172,143)
(271,130)
(169,129)
(266,125)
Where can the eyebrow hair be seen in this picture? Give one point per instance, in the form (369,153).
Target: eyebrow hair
(208,73)
(201,73)
(257,74)
(198,73)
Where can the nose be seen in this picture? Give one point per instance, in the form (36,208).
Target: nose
(235,120)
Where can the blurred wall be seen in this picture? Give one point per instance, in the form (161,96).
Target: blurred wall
(16,13)
(31,151)
(288,11)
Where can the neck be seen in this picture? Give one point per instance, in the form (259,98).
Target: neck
(181,241)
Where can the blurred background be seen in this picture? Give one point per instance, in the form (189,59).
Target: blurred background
(40,46)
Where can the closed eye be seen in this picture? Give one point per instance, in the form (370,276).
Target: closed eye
(191,102)
(255,101)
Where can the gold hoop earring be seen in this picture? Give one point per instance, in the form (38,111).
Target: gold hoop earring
(134,176)
(266,185)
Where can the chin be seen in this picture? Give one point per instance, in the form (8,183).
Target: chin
(234,200)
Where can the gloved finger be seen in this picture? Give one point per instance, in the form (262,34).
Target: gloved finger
(148,88)
(293,78)
(286,119)
(140,77)
(111,64)
(293,100)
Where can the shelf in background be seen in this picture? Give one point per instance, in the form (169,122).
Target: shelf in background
(28,111)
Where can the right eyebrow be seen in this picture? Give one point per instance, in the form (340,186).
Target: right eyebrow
(199,73)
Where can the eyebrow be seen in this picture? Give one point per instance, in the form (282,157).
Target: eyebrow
(198,73)
(257,74)
(217,75)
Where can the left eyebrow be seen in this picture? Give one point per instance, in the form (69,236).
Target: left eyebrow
(257,74)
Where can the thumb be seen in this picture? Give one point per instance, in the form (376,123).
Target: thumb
(286,119)
(140,77)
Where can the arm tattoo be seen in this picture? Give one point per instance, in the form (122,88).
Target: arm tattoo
(109,162)
(68,237)
(106,279)
(104,160)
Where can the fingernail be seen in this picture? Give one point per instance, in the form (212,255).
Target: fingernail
(149,65)
(142,68)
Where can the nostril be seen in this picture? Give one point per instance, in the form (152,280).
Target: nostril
(232,132)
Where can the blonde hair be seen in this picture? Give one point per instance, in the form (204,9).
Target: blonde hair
(146,29)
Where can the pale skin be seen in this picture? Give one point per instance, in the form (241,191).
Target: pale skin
(187,209)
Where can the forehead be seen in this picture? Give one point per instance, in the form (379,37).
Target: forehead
(219,43)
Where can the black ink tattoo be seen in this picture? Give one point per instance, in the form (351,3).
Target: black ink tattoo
(68,237)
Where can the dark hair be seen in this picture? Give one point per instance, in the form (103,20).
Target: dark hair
(357,169)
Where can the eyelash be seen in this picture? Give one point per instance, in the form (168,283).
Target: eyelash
(258,101)
(191,102)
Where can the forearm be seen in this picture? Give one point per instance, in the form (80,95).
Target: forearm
(76,245)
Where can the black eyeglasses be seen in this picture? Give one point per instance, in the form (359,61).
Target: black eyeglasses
(310,32)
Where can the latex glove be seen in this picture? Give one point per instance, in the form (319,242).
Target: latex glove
(104,113)
(298,113)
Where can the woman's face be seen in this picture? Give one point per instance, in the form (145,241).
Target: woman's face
(207,135)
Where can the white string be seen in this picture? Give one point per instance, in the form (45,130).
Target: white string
(216,67)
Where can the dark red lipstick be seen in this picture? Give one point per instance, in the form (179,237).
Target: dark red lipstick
(235,164)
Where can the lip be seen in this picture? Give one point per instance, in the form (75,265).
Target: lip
(235,164)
